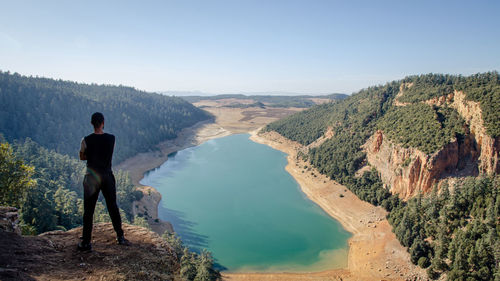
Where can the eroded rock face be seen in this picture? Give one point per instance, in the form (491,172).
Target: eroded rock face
(147,207)
(489,147)
(408,171)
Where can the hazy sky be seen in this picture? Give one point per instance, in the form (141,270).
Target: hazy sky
(248,46)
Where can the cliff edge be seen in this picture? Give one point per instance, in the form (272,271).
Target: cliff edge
(53,255)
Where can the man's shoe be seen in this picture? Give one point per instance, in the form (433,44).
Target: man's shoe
(84,246)
(120,240)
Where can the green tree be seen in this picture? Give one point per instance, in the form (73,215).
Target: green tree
(38,210)
(15,177)
(141,221)
(188,265)
(205,270)
(175,242)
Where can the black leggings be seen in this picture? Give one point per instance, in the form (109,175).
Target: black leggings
(92,184)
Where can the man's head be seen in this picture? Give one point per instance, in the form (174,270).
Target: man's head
(97,120)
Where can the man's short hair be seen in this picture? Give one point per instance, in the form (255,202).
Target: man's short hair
(97,119)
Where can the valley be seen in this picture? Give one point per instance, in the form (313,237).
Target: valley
(409,168)
(374,252)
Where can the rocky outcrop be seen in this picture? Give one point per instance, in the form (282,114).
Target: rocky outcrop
(53,256)
(408,171)
(489,147)
(147,207)
(326,136)
(9,220)
(402,87)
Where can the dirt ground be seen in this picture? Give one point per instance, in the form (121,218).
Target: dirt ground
(53,256)
(244,120)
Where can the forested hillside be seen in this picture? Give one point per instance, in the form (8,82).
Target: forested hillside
(453,231)
(44,121)
(56,114)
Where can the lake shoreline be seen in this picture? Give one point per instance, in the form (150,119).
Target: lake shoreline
(141,163)
(260,204)
(374,252)
(195,135)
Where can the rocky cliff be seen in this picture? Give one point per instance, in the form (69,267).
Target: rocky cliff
(147,207)
(408,171)
(489,147)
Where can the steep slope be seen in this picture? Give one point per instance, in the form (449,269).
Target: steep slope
(414,132)
(409,171)
(398,141)
(411,156)
(55,201)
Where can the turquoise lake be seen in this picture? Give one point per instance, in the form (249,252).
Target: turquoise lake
(233,197)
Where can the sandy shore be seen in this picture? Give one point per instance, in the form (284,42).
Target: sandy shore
(374,252)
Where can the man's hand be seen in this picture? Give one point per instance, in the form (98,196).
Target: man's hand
(83,149)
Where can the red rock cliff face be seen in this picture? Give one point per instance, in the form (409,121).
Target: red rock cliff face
(408,171)
(490,147)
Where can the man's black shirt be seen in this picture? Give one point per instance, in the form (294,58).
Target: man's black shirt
(99,152)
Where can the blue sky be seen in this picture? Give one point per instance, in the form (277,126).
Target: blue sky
(248,46)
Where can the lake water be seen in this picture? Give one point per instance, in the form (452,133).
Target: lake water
(234,197)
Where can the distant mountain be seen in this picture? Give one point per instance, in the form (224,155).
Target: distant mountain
(272,100)
(419,138)
(56,114)
(270,93)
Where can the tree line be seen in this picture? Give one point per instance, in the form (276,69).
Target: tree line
(482,87)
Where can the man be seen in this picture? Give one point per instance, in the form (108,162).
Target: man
(97,149)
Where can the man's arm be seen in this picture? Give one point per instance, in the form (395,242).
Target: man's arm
(83,148)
